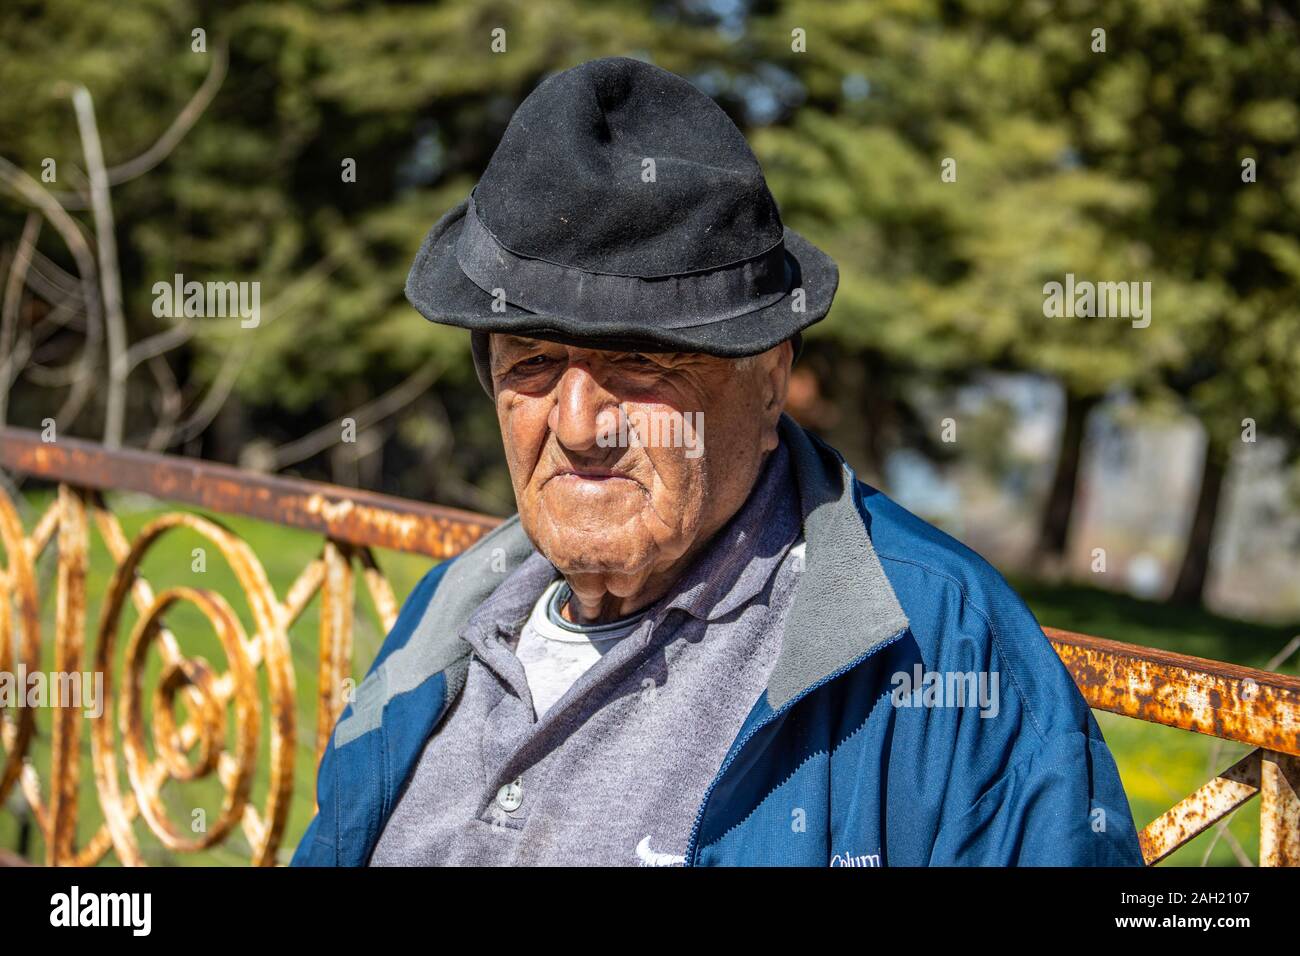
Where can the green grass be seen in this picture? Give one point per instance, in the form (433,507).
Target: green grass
(1158,765)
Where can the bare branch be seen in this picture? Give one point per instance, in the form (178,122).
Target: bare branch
(233,362)
(180,126)
(51,376)
(169,411)
(365,416)
(34,194)
(109,277)
(155,345)
(1280,658)
(202,417)
(66,313)
(55,282)
(9,310)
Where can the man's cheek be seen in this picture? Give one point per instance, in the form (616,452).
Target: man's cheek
(679,489)
(523,438)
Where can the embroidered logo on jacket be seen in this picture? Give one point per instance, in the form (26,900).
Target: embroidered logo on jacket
(866,859)
(649,857)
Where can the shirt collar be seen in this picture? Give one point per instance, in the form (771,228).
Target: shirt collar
(736,566)
(508,606)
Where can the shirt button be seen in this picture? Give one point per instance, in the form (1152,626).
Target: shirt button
(510,796)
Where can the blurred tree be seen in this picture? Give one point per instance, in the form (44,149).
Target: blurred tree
(931,151)
(1115,158)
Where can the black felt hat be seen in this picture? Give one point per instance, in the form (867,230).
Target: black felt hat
(622,209)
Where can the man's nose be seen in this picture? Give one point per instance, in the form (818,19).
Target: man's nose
(583,409)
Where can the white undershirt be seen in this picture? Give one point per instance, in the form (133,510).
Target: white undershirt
(555,653)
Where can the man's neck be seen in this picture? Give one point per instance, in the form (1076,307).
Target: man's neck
(607,606)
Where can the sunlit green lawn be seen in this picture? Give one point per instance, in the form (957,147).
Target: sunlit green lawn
(1158,765)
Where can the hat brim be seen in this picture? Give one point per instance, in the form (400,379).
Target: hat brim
(442,293)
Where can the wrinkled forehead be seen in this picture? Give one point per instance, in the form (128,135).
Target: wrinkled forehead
(508,342)
(484,345)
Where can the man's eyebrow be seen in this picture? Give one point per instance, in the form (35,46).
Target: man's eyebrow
(518,341)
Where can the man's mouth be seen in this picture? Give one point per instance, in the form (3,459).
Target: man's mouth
(590,476)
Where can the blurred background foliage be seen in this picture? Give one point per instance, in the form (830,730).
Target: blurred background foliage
(1122,164)
(1170,155)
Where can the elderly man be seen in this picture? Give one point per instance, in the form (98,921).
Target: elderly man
(702,640)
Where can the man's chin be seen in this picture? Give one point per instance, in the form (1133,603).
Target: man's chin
(608,543)
(601,560)
(604,554)
(588,517)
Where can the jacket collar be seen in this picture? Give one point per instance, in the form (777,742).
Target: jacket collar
(843,605)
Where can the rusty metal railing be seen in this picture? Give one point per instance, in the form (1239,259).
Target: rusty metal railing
(1253,707)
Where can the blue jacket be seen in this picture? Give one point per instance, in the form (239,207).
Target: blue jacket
(916,715)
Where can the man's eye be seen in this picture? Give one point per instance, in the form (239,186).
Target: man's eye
(537,361)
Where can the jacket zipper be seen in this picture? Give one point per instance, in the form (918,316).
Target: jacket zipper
(726,764)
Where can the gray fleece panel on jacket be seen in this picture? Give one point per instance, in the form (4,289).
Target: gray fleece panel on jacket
(845,604)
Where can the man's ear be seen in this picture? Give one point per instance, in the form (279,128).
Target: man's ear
(777,377)
(774,380)
(480,344)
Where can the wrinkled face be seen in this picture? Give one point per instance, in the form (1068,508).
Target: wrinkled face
(625,463)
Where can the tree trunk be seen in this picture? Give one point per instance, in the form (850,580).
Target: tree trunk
(1054,528)
(226,436)
(1190,587)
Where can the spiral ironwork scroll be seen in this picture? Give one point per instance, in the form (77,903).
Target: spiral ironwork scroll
(18,602)
(206,695)
(157,749)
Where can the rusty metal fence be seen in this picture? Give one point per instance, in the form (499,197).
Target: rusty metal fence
(1253,707)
